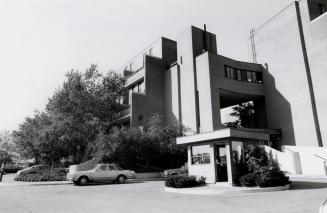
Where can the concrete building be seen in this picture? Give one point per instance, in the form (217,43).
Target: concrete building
(187,81)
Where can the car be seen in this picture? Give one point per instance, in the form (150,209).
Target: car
(323,207)
(42,169)
(171,172)
(100,173)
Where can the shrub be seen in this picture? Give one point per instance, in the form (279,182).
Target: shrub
(40,177)
(272,177)
(263,171)
(184,181)
(248,180)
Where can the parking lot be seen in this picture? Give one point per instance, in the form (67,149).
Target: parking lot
(151,197)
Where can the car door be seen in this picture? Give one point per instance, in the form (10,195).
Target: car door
(112,172)
(101,173)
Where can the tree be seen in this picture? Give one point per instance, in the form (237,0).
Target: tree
(27,138)
(244,114)
(85,105)
(7,147)
(155,148)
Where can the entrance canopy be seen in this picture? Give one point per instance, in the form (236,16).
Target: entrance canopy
(251,134)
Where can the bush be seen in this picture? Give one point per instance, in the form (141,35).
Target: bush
(248,180)
(40,177)
(184,181)
(272,177)
(263,171)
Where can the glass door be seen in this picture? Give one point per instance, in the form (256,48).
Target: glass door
(221,161)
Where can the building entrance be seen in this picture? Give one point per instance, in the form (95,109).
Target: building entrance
(221,163)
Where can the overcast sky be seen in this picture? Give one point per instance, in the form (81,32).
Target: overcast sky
(40,40)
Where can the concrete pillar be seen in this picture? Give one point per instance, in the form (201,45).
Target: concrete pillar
(229,161)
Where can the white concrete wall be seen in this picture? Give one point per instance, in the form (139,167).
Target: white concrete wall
(205,97)
(311,164)
(278,43)
(171,95)
(288,161)
(186,63)
(315,34)
(205,170)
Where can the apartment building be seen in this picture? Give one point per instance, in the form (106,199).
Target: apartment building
(187,81)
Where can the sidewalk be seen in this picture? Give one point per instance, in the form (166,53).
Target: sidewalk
(218,189)
(308,178)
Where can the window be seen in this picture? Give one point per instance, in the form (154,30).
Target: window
(239,76)
(259,77)
(181,60)
(140,120)
(111,167)
(243,75)
(103,168)
(200,154)
(249,76)
(254,76)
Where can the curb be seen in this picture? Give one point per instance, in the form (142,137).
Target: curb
(240,190)
(21,183)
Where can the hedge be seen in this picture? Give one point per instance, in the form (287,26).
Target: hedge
(184,181)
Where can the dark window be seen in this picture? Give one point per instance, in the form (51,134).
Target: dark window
(239,76)
(259,77)
(254,76)
(242,75)
(140,120)
(232,76)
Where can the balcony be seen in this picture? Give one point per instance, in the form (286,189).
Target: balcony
(137,76)
(124,112)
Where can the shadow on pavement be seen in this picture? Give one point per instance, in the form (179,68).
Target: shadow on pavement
(300,185)
(111,183)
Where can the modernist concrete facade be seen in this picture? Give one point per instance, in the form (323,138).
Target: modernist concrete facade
(187,81)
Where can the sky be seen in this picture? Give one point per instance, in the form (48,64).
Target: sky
(41,40)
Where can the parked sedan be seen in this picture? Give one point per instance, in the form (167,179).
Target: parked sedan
(41,169)
(101,173)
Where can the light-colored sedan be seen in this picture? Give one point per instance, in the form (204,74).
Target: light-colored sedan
(101,173)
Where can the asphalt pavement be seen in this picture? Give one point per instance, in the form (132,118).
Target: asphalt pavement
(149,196)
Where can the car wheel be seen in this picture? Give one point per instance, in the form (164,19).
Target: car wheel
(82,181)
(121,179)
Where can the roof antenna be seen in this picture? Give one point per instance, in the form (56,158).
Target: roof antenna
(254,54)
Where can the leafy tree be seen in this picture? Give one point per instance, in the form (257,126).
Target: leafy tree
(27,137)
(155,148)
(78,111)
(244,114)
(7,147)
